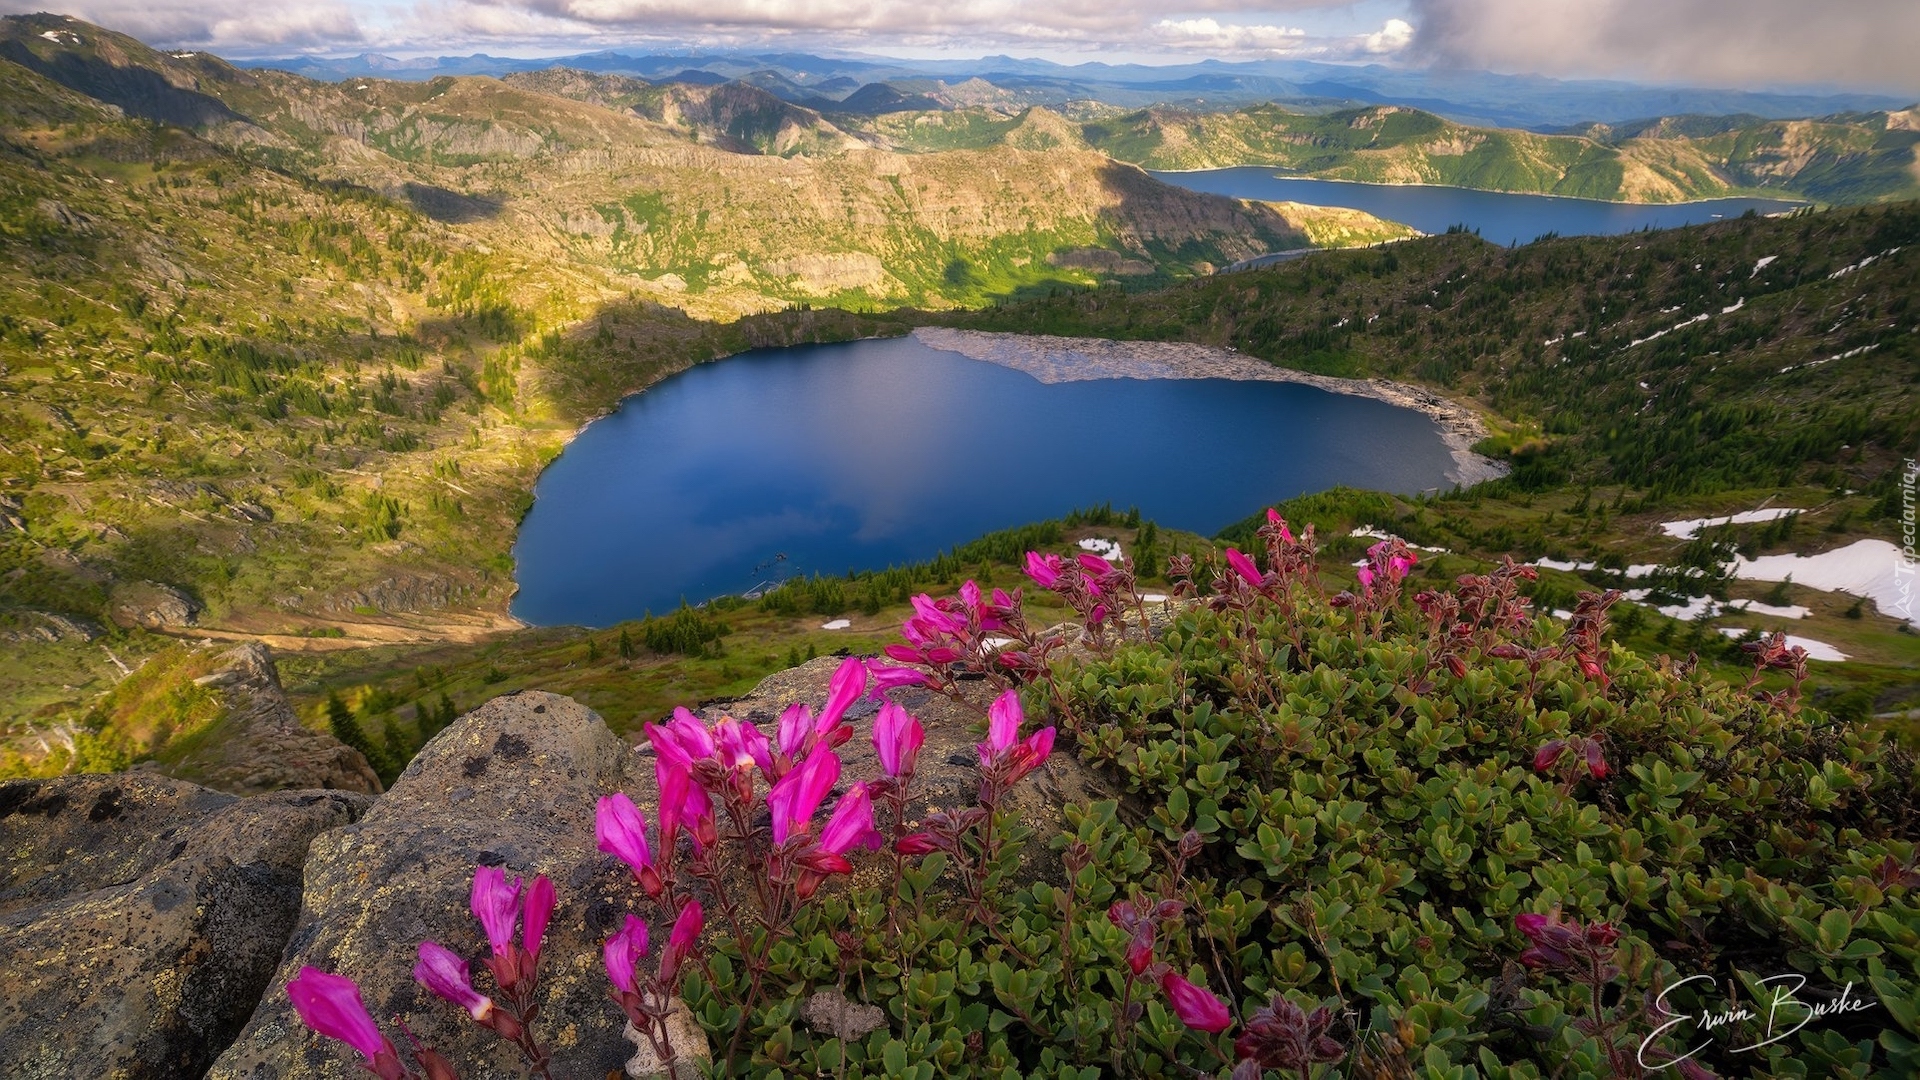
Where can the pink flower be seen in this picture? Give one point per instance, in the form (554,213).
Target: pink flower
(540,903)
(897,738)
(1548,755)
(1093,565)
(849,682)
(851,823)
(692,735)
(1003,750)
(1003,726)
(1587,751)
(1141,931)
(331,1005)
(444,973)
(885,677)
(1556,943)
(1195,1005)
(623,952)
(620,830)
(795,725)
(918,844)
(795,798)
(680,942)
(1245,567)
(1366,578)
(742,746)
(497,905)
(1596,761)
(1274,518)
(1043,569)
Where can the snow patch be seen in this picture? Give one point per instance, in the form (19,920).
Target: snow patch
(1762,264)
(1700,318)
(1816,650)
(1849,354)
(1735,306)
(836,624)
(1687,530)
(1873,569)
(1106,549)
(1370,531)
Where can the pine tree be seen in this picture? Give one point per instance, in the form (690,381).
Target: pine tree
(399,749)
(341,723)
(626,645)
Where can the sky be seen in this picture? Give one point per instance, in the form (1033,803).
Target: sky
(1745,44)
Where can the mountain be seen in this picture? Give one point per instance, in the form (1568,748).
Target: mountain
(1469,97)
(1846,158)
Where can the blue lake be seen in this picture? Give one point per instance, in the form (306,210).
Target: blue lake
(828,458)
(1501,217)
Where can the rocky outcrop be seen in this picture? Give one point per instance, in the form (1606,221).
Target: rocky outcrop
(140,918)
(262,745)
(153,606)
(402,592)
(511,784)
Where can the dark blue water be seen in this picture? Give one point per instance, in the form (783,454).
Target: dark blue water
(876,453)
(1501,217)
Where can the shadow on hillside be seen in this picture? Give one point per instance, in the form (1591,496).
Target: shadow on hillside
(140,91)
(1216,229)
(451,207)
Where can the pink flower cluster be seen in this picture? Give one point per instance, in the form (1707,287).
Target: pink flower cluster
(332,1006)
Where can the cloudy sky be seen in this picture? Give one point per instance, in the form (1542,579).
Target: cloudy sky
(1855,44)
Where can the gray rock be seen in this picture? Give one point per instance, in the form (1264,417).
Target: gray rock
(262,745)
(140,918)
(152,605)
(830,1013)
(513,784)
(691,1053)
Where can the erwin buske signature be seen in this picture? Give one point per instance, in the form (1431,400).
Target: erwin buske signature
(1779,1013)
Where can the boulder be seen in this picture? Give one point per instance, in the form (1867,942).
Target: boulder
(261,745)
(140,918)
(512,784)
(152,605)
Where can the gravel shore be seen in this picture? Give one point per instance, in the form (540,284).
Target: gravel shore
(1063,359)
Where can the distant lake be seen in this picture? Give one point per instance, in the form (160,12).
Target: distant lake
(1502,217)
(828,458)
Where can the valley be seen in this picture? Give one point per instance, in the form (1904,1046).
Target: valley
(283,358)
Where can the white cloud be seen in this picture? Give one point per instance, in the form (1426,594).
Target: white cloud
(1220,38)
(1695,42)
(1390,38)
(219,24)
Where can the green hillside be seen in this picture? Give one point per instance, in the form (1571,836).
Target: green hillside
(1846,159)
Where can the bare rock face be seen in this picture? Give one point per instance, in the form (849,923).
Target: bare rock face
(262,745)
(511,784)
(152,605)
(140,918)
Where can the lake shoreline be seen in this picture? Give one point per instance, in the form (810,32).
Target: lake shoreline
(1281,172)
(1052,359)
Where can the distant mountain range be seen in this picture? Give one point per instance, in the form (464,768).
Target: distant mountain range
(1472,97)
